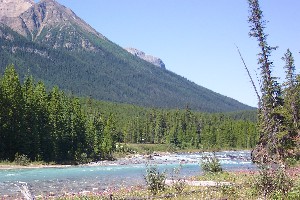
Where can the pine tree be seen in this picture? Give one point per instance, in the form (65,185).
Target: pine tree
(78,131)
(269,149)
(108,140)
(42,128)
(13,114)
(291,99)
(31,119)
(160,129)
(57,124)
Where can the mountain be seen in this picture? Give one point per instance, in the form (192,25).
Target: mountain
(47,22)
(151,59)
(13,8)
(50,42)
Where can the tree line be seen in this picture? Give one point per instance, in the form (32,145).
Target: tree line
(50,125)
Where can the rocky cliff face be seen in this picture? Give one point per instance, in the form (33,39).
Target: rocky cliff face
(49,23)
(151,59)
(13,8)
(52,24)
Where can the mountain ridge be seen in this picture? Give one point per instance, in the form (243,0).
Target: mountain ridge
(13,8)
(61,49)
(46,15)
(149,58)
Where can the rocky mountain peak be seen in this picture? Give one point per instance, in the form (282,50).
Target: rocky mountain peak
(13,8)
(48,22)
(151,59)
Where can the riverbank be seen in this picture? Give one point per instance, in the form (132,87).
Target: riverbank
(239,184)
(155,158)
(127,160)
(30,166)
(224,185)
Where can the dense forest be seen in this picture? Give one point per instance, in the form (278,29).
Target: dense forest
(55,126)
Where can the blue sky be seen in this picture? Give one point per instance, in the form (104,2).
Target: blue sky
(196,38)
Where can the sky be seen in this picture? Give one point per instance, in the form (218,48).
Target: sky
(196,38)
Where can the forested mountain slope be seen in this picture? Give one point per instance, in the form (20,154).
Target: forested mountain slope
(53,126)
(51,43)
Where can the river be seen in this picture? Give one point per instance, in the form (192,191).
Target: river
(116,174)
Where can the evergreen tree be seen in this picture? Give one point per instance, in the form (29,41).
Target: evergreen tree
(291,99)
(57,125)
(108,141)
(160,127)
(94,135)
(13,115)
(30,119)
(42,126)
(78,131)
(269,148)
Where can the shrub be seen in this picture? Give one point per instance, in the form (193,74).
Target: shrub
(179,183)
(82,158)
(274,183)
(21,159)
(155,180)
(211,164)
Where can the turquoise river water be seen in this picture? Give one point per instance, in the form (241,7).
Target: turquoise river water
(105,175)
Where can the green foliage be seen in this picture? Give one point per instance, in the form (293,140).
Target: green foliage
(291,161)
(274,183)
(178,129)
(294,193)
(179,183)
(211,164)
(48,127)
(82,158)
(271,147)
(278,117)
(12,127)
(290,109)
(54,126)
(155,180)
(21,159)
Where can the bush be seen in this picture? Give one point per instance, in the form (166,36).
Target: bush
(21,159)
(211,164)
(82,158)
(274,183)
(155,180)
(179,183)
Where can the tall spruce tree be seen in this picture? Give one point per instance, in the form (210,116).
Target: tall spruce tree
(291,99)
(13,134)
(108,140)
(42,123)
(271,127)
(30,119)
